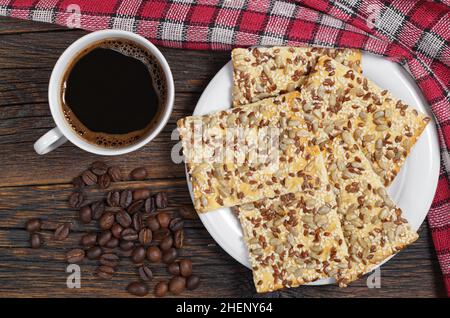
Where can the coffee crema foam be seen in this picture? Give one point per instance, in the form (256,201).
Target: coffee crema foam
(108,140)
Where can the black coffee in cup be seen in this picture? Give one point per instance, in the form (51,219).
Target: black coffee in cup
(113,93)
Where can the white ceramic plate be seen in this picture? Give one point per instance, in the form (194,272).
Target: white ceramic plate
(412,190)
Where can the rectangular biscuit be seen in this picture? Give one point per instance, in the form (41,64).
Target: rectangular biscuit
(259,73)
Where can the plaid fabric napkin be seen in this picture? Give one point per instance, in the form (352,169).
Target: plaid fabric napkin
(414,33)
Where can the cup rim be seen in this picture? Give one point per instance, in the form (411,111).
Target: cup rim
(58,72)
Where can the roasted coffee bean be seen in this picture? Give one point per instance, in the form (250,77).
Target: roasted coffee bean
(76,200)
(166,243)
(89,239)
(129,235)
(104,181)
(145,236)
(150,205)
(62,232)
(137,289)
(115,173)
(126,245)
(85,214)
(105,272)
(161,200)
(154,254)
(113,198)
(160,234)
(109,259)
(161,289)
(145,273)
(163,219)
(177,285)
(135,207)
(78,182)
(99,168)
(104,237)
(123,253)
(176,224)
(89,177)
(75,256)
(97,208)
(141,194)
(138,174)
(178,239)
(116,230)
(192,282)
(112,243)
(169,256)
(138,255)
(188,212)
(185,267)
(123,218)
(33,225)
(35,240)
(106,221)
(113,209)
(153,223)
(94,252)
(137,221)
(174,268)
(126,197)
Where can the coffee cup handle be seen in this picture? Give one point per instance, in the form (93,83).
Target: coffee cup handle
(49,141)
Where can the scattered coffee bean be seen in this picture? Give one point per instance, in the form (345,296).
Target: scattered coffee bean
(150,205)
(141,194)
(138,255)
(97,209)
(104,181)
(169,256)
(138,174)
(104,237)
(94,252)
(176,224)
(163,219)
(78,182)
(33,225)
(178,239)
(109,259)
(177,285)
(174,268)
(129,235)
(89,177)
(161,200)
(89,239)
(113,198)
(75,256)
(161,289)
(123,218)
(188,212)
(126,245)
(106,221)
(126,197)
(85,214)
(192,282)
(137,289)
(115,173)
(76,200)
(145,273)
(62,232)
(145,236)
(112,243)
(105,272)
(135,207)
(35,240)
(116,230)
(99,168)
(166,243)
(153,223)
(160,234)
(137,221)
(185,267)
(154,254)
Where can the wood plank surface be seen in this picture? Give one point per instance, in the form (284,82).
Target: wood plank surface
(38,186)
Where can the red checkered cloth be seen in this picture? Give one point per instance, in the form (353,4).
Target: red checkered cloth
(413,33)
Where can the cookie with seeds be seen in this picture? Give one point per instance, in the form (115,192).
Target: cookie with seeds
(259,73)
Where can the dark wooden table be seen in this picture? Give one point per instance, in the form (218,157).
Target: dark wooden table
(38,186)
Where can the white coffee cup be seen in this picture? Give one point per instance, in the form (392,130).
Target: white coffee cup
(63,132)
